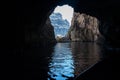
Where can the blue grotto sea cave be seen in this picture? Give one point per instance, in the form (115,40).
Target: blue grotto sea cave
(61,40)
(71,58)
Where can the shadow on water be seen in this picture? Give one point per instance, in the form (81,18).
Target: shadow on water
(68,60)
(64,61)
(36,63)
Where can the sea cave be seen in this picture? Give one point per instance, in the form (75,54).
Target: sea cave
(87,49)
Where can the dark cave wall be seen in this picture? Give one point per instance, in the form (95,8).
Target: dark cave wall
(43,36)
(32,15)
(32,23)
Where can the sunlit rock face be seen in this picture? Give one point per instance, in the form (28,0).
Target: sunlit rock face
(83,28)
(60,25)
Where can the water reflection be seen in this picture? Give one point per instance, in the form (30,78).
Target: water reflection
(61,65)
(70,59)
(85,55)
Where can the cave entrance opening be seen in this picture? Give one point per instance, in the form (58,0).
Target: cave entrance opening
(61,20)
(80,27)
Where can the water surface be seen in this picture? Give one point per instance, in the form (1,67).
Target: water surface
(70,59)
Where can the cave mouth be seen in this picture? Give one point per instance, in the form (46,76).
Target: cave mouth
(61,20)
(74,26)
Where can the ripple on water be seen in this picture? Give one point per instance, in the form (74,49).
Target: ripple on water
(70,59)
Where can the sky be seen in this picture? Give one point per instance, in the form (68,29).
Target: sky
(66,11)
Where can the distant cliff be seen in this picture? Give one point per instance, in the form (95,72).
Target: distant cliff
(83,28)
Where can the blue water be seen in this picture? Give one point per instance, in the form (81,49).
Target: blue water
(70,59)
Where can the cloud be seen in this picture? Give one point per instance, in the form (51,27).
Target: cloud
(66,11)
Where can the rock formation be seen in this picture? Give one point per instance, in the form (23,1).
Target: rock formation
(83,28)
(62,39)
(48,33)
(45,36)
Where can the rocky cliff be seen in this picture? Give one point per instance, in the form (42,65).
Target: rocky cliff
(83,28)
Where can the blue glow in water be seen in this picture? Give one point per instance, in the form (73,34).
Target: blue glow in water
(68,60)
(61,65)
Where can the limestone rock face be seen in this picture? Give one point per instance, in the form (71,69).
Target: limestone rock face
(83,28)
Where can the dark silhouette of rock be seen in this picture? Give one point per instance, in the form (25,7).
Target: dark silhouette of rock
(48,33)
(83,28)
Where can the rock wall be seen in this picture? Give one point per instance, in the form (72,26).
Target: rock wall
(48,35)
(83,28)
(35,13)
(43,36)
